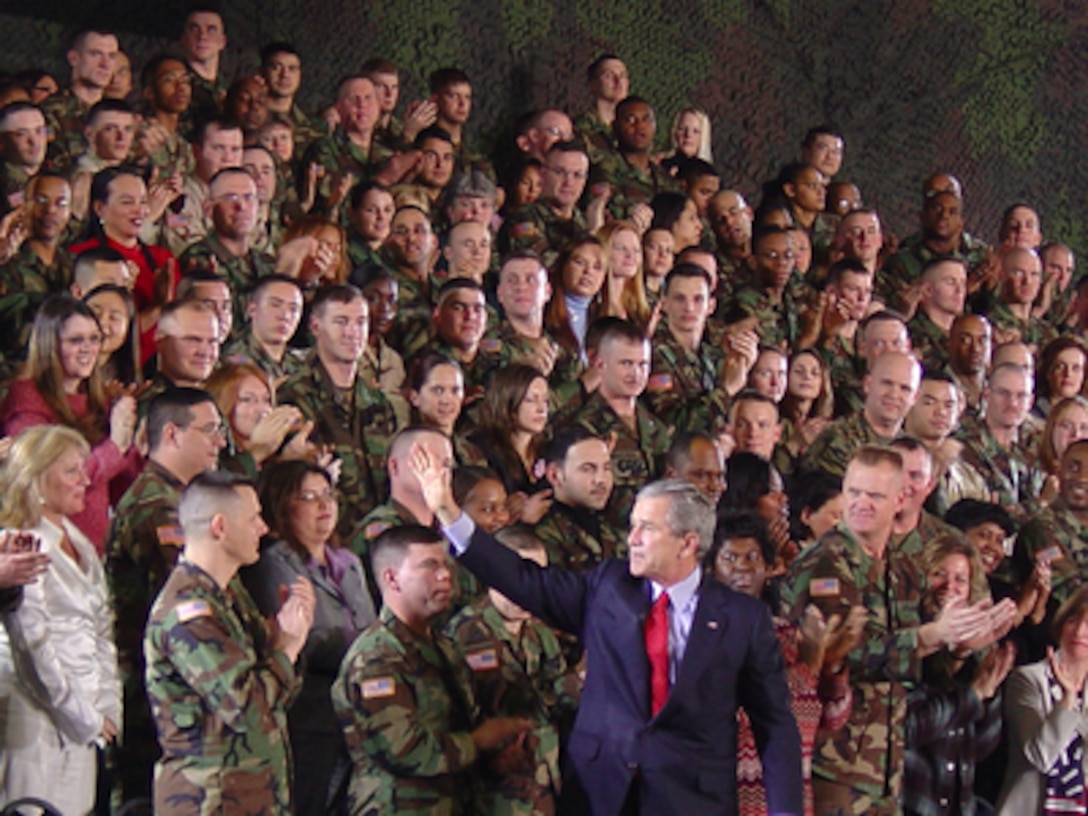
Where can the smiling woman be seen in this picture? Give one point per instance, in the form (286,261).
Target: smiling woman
(62,385)
(67,696)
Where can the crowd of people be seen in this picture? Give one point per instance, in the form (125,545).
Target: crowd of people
(347,470)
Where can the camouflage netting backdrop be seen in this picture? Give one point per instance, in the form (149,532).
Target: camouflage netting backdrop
(993,90)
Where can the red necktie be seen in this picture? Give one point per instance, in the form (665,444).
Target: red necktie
(657,650)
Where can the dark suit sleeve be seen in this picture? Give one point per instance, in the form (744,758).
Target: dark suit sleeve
(555,596)
(764,694)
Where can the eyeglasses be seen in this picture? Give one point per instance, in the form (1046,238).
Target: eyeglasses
(313,497)
(211,429)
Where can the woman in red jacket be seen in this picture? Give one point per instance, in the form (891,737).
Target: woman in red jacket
(61,385)
(119,209)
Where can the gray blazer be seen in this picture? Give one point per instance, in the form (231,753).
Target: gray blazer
(1036,731)
(330,636)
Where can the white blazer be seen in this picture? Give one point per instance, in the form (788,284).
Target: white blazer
(1036,731)
(70,682)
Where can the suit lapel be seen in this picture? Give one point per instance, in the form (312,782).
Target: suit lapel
(628,617)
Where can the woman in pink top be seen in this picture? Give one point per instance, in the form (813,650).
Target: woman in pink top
(61,385)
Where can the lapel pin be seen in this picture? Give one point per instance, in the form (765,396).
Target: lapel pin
(712,624)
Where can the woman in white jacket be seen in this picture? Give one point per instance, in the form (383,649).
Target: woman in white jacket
(67,696)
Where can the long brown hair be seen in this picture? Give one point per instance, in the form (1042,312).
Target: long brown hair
(43,367)
(556,315)
(633,295)
(498,418)
(824,403)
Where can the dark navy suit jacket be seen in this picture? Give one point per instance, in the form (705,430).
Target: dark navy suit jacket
(684,759)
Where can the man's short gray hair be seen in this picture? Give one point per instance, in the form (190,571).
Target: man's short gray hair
(689,510)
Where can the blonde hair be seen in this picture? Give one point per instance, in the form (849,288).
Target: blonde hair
(704,152)
(34,451)
(633,295)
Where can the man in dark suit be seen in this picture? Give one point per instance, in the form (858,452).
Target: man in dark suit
(670,656)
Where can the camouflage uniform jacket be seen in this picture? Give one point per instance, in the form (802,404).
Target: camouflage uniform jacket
(65,114)
(142,547)
(25,283)
(778,322)
(831,450)
(307,129)
(537,227)
(630,185)
(1006,470)
(1057,526)
(207,100)
(685,387)
(503,345)
(339,155)
(412,327)
(175,155)
(219,694)
(246,349)
(13,181)
(407,707)
(835,574)
(905,267)
(636,457)
(522,675)
(239,272)
(733,275)
(573,538)
(1035,332)
(357,422)
(360,253)
(596,135)
(929,340)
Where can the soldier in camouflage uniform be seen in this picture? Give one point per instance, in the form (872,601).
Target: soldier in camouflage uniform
(553,220)
(859,769)
(993,444)
(203,39)
(219,677)
(641,439)
(523,292)
(356,420)
(405,696)
(519,671)
(92,57)
(226,249)
(281,67)
(942,237)
(730,219)
(578,466)
(411,246)
(41,266)
(274,310)
(778,295)
(1011,315)
(141,548)
(1059,534)
(168,90)
(23,135)
(609,83)
(942,296)
(630,172)
(688,386)
(350,150)
(890,390)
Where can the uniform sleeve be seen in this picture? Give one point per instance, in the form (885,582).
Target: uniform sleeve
(218,669)
(379,713)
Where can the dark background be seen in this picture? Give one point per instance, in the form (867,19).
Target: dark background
(992,90)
